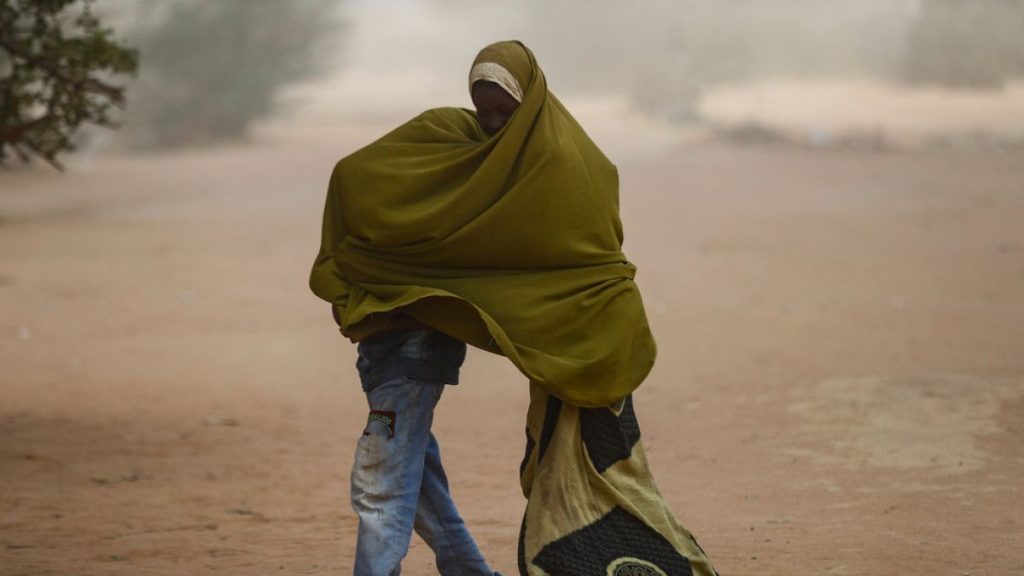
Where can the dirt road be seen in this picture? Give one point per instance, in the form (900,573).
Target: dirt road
(840,387)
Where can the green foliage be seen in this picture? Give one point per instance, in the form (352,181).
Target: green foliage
(56,59)
(211,68)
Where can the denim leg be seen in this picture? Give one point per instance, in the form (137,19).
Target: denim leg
(439,524)
(388,472)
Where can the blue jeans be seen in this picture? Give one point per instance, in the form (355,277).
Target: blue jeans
(398,482)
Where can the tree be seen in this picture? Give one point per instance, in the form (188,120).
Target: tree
(211,69)
(56,64)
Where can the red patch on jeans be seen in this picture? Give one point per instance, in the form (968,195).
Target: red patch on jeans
(387,417)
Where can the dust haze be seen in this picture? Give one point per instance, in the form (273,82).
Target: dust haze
(824,73)
(883,73)
(823,200)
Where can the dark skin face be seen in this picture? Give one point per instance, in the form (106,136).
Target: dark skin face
(494,106)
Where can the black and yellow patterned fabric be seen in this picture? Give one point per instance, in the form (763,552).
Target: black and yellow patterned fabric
(592,506)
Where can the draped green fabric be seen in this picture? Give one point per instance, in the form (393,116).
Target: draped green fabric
(511,243)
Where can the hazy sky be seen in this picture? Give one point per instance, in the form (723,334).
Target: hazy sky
(657,67)
(804,65)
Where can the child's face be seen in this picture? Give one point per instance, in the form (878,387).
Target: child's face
(494,106)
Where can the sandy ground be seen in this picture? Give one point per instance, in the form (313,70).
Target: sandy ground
(840,388)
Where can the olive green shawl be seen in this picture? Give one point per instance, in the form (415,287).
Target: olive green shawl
(511,243)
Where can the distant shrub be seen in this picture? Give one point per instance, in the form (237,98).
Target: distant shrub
(210,69)
(965,43)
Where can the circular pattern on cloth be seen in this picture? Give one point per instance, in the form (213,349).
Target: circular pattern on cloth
(627,566)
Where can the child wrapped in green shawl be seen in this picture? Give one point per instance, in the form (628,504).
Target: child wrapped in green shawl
(504,232)
(511,243)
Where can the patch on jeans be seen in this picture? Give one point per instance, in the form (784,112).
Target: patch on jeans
(386,417)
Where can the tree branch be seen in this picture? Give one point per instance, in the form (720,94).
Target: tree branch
(87,84)
(13,133)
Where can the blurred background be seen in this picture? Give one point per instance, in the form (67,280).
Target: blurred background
(824,199)
(879,73)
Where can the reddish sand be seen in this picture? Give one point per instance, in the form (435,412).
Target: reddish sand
(840,388)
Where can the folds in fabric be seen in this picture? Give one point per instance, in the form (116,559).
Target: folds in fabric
(592,505)
(511,243)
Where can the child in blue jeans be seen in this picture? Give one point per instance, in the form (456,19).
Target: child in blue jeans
(398,482)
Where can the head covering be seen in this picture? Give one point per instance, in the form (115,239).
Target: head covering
(492,72)
(511,243)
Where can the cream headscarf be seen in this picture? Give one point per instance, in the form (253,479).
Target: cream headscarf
(494,72)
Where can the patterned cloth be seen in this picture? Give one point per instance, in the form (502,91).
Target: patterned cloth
(592,506)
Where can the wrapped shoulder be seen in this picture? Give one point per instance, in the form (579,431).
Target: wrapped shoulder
(448,124)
